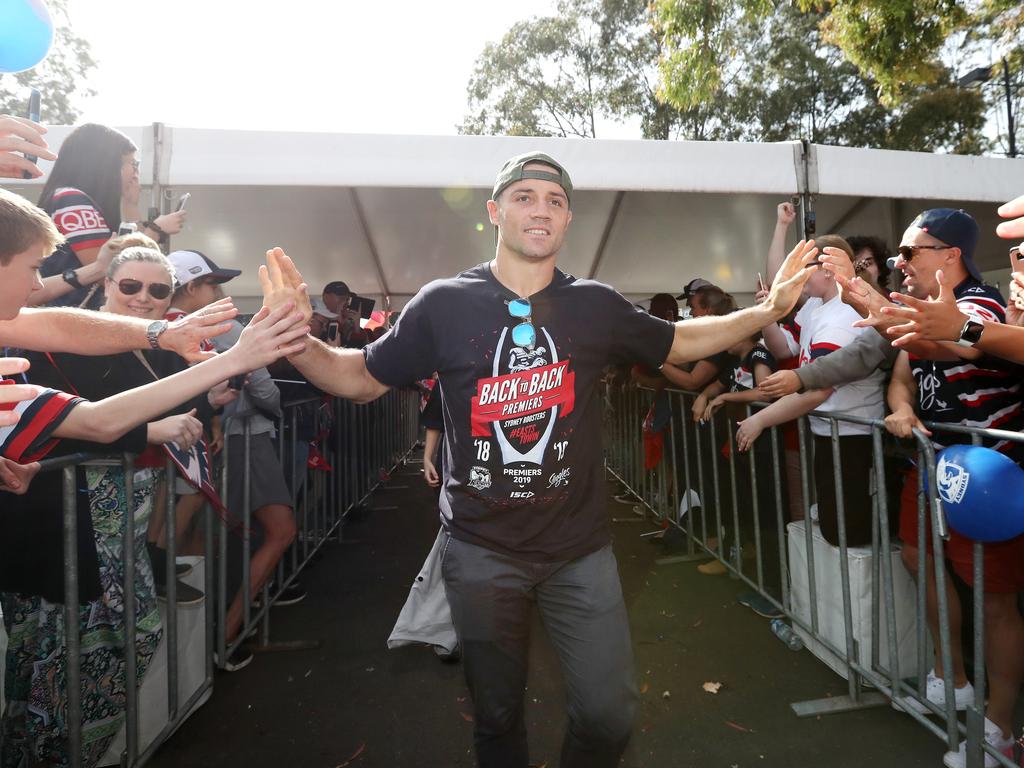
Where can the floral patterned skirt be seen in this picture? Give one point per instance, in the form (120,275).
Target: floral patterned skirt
(34,726)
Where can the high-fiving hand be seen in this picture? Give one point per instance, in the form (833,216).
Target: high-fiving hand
(282,283)
(938,319)
(789,280)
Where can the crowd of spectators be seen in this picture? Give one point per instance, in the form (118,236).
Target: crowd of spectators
(138,351)
(128,372)
(915,338)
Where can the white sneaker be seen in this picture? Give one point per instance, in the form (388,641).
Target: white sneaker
(993,736)
(935,692)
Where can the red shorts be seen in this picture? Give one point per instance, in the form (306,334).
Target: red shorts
(1004,560)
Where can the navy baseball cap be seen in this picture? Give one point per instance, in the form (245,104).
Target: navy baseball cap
(956,228)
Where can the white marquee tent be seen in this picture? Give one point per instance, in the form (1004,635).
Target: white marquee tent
(388,213)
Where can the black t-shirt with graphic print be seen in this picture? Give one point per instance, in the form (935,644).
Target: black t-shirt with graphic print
(740,378)
(523,448)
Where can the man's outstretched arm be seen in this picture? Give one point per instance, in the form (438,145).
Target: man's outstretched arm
(702,337)
(340,372)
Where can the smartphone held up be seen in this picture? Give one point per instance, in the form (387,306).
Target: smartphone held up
(32,113)
(1016,294)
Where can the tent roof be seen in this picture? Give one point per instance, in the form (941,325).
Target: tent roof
(388,213)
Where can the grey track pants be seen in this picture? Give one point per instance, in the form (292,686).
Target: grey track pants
(582,609)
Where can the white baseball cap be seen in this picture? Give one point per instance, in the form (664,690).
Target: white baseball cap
(191,265)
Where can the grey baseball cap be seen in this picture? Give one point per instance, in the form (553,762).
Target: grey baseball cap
(515,170)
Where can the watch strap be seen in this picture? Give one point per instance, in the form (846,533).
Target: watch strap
(149,224)
(153,332)
(970,334)
(71,278)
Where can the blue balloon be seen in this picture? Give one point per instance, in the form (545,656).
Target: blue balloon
(982,492)
(26,34)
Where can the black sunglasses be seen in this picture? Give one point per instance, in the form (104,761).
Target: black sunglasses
(907,252)
(130,287)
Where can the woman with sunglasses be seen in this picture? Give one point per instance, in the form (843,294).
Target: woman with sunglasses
(92,188)
(139,283)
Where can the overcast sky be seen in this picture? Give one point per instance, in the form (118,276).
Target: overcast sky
(375,67)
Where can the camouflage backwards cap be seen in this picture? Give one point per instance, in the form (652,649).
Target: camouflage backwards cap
(514,170)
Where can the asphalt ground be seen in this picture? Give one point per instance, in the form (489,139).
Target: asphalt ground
(354,703)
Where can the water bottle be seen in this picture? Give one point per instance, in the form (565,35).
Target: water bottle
(786,634)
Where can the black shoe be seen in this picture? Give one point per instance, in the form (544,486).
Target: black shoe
(184,594)
(759,604)
(240,659)
(158,559)
(292,595)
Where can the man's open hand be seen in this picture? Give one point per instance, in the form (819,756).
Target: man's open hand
(789,280)
(938,319)
(282,284)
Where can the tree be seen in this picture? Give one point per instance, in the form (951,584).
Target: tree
(559,75)
(787,82)
(752,75)
(61,77)
(794,71)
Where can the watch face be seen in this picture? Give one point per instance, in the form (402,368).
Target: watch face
(971,333)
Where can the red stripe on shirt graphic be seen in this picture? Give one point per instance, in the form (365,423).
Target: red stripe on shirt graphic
(520,394)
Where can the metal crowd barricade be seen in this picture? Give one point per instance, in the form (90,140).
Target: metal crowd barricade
(691,463)
(360,446)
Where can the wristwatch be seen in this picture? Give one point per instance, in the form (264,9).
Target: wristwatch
(153,226)
(970,334)
(71,278)
(153,332)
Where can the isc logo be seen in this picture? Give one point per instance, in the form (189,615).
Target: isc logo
(521,495)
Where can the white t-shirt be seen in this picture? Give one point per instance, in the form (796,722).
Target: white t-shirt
(825,327)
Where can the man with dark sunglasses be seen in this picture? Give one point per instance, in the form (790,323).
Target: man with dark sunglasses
(519,347)
(966,387)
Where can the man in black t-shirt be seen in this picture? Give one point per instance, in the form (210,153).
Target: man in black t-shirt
(519,347)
